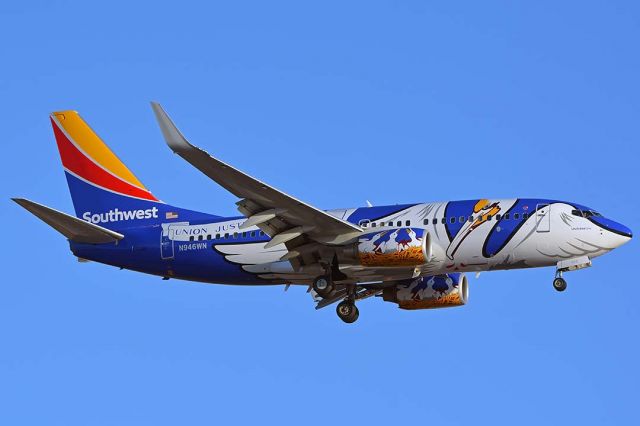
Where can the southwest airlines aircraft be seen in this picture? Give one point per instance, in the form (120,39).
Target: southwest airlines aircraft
(414,255)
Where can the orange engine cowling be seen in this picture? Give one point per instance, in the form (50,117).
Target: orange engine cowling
(438,291)
(395,247)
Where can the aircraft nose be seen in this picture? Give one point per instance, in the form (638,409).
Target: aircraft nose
(616,233)
(622,230)
(621,233)
(627,232)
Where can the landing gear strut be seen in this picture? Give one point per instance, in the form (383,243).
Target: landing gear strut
(324,284)
(347,309)
(559,283)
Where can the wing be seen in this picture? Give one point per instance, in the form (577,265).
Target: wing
(283,217)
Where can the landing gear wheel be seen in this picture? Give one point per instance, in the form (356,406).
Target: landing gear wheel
(347,311)
(559,284)
(323,286)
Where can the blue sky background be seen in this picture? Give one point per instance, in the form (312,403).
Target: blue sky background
(334,103)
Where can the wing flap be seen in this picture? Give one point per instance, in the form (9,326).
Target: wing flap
(71,227)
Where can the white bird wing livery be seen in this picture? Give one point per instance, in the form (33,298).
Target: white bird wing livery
(280,215)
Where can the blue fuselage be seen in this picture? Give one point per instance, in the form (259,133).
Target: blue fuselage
(516,233)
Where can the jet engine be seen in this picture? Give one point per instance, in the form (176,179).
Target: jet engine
(438,291)
(394,247)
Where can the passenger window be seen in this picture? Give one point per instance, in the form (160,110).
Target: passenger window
(381,224)
(226,235)
(516,216)
(506,216)
(435,221)
(191,238)
(470,219)
(390,223)
(209,237)
(373,224)
(452,220)
(525,215)
(489,218)
(425,222)
(444,220)
(407,223)
(498,217)
(235,235)
(200,237)
(461,219)
(261,233)
(252,234)
(217,236)
(399,223)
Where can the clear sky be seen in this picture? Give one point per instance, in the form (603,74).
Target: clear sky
(335,103)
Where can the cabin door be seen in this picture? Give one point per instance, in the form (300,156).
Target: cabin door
(543,218)
(166,241)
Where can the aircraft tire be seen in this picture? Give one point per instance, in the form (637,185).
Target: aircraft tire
(323,286)
(559,284)
(347,311)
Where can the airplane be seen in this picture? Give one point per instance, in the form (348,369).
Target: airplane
(413,255)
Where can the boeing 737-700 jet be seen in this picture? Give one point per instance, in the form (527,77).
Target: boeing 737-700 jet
(414,255)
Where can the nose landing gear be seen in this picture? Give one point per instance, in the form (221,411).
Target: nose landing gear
(559,283)
(568,265)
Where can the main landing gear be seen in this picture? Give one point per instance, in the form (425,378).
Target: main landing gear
(323,285)
(347,311)
(559,283)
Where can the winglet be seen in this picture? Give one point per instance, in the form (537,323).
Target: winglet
(176,141)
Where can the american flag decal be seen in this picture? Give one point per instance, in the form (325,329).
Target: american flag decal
(171,215)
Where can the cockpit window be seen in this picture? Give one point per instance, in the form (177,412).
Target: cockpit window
(585,213)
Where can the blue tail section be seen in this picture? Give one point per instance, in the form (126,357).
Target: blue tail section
(104,191)
(118,212)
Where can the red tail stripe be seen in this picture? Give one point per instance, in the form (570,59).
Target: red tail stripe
(76,162)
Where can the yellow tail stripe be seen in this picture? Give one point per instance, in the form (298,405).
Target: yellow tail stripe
(89,142)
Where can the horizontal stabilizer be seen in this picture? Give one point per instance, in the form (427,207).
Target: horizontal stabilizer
(74,229)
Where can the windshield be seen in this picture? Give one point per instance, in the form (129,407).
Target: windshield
(585,213)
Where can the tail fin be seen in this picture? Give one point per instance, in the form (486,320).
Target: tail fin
(102,188)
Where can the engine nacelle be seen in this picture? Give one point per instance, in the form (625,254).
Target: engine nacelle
(395,247)
(438,291)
